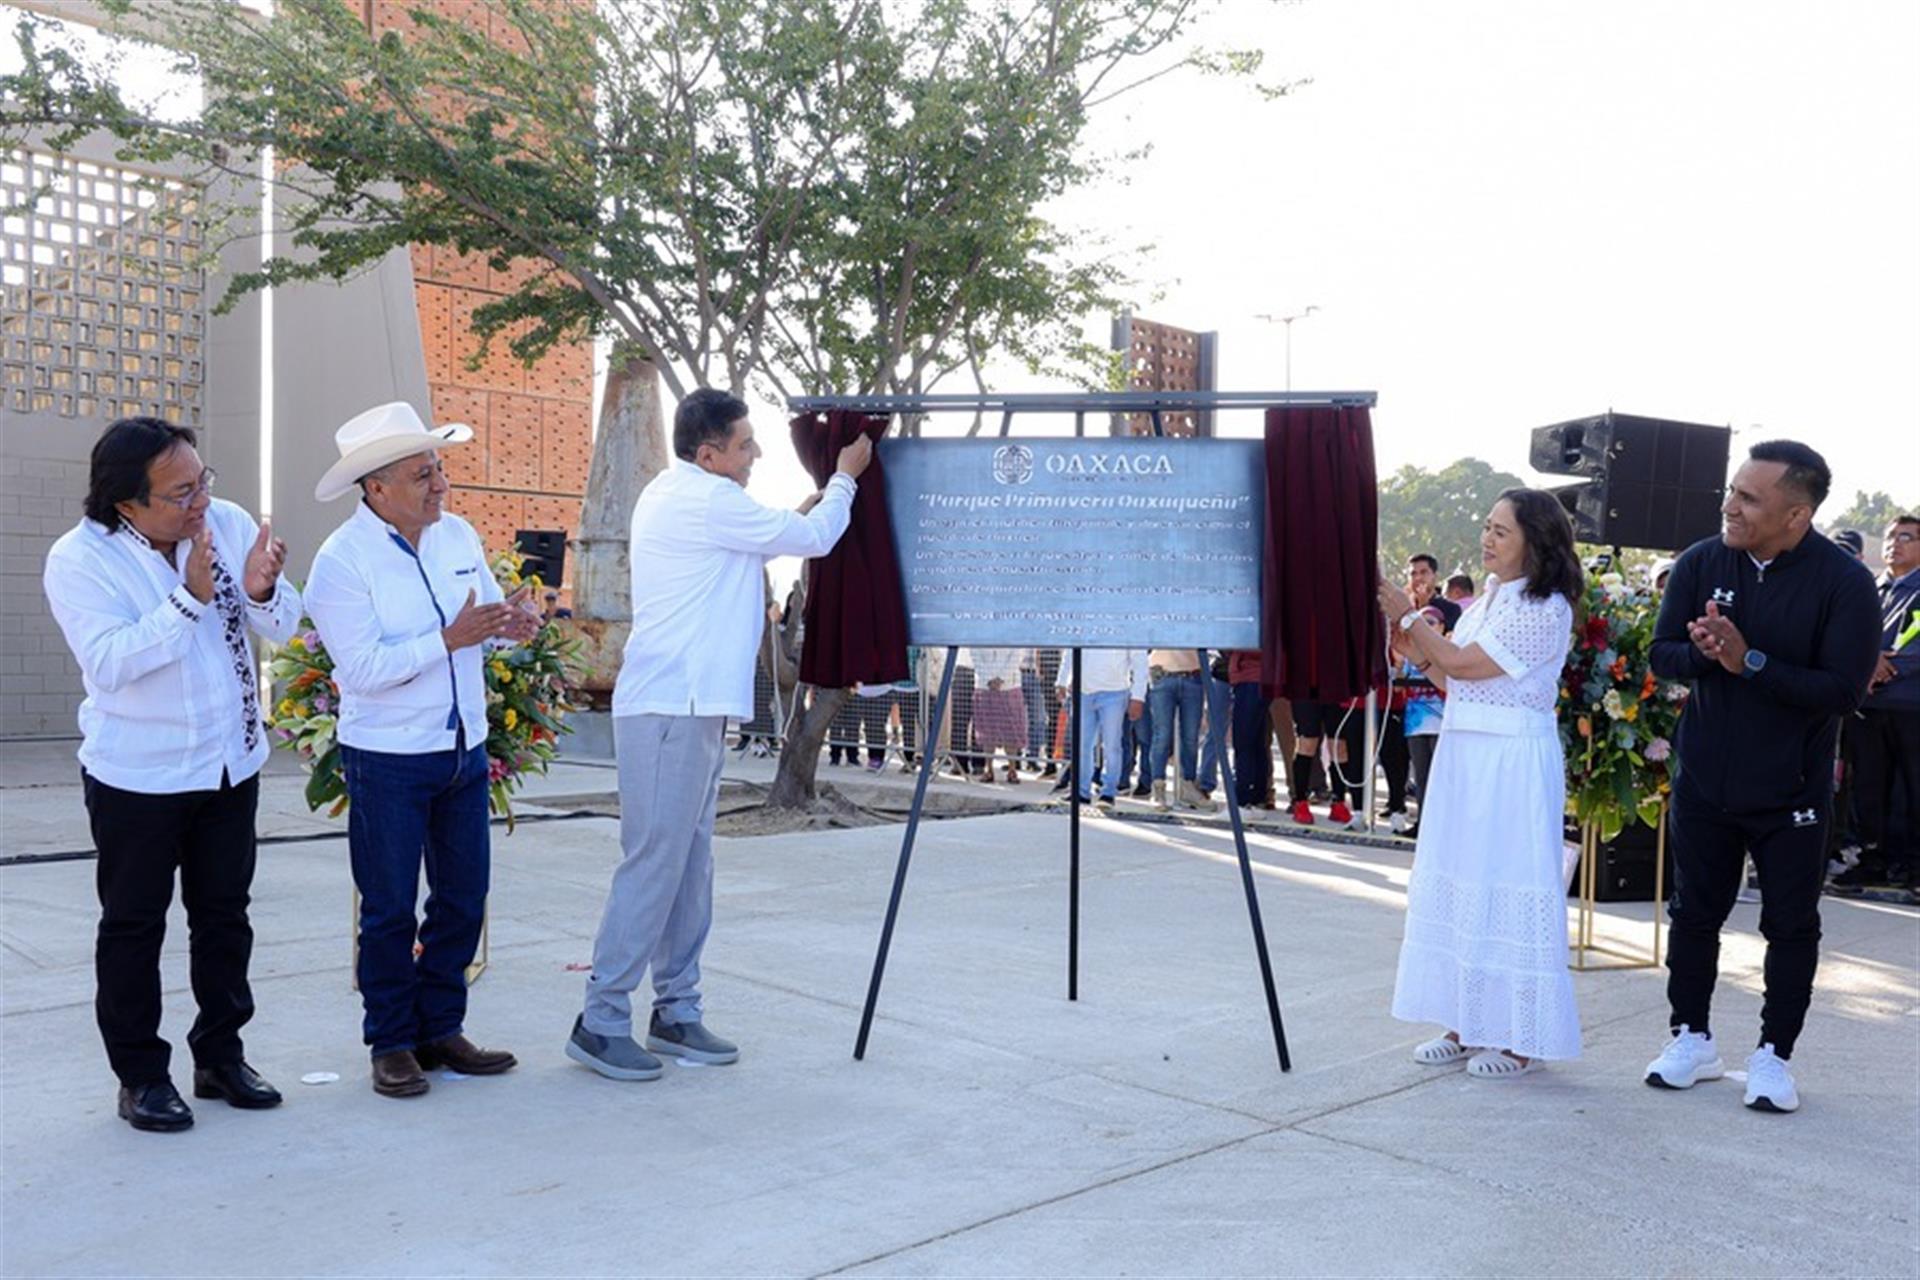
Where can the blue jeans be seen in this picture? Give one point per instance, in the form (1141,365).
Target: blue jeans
(1176,694)
(1136,745)
(406,810)
(1103,717)
(1036,695)
(1219,712)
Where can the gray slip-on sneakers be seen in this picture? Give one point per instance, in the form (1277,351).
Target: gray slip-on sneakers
(615,1057)
(690,1042)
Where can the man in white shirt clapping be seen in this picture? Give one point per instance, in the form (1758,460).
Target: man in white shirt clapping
(404,600)
(698,548)
(155,591)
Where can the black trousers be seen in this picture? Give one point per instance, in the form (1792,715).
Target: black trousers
(142,840)
(1252,759)
(1789,850)
(1886,753)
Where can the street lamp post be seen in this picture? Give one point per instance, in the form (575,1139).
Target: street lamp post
(1288,322)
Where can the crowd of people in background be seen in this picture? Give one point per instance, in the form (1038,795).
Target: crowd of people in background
(1148,733)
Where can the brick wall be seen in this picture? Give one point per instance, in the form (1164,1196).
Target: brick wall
(39,500)
(533,430)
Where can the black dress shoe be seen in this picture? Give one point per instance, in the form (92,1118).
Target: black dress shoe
(238,1083)
(156,1107)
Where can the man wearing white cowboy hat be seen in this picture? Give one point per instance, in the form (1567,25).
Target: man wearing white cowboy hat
(404,601)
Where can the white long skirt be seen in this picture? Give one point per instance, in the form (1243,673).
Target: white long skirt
(1485,953)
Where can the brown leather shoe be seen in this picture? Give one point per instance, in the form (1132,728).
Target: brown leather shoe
(457,1053)
(397,1075)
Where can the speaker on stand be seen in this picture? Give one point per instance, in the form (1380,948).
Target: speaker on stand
(1652,483)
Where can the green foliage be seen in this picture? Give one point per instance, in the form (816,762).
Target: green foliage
(819,195)
(1439,512)
(1871,513)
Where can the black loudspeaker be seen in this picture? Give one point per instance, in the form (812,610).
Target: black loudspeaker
(542,551)
(1651,482)
(1626,866)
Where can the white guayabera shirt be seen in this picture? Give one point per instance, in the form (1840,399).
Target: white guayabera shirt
(172,687)
(698,545)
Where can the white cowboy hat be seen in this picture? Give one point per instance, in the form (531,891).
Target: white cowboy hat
(383,434)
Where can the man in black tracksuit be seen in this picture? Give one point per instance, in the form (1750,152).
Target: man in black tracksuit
(1777,630)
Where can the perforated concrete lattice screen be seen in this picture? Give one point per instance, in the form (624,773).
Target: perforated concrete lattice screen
(105,295)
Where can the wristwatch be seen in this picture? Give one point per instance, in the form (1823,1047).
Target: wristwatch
(1408,618)
(1753,663)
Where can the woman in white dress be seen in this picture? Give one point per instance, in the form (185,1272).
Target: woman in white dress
(1485,953)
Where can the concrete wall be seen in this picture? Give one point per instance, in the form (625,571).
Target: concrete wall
(204,372)
(43,477)
(338,349)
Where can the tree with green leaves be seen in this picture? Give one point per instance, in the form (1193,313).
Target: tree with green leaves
(790,195)
(1870,514)
(1440,513)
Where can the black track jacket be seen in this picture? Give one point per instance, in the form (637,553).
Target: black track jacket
(1765,742)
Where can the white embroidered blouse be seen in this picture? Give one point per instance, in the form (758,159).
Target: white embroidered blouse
(1528,638)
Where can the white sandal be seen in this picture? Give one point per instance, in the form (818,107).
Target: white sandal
(1439,1052)
(1498,1064)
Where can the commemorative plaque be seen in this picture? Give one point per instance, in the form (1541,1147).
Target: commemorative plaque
(1074,542)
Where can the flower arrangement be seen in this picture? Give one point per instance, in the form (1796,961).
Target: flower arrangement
(1617,718)
(529,690)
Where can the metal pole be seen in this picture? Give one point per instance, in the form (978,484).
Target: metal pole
(1218,733)
(906,853)
(1073,840)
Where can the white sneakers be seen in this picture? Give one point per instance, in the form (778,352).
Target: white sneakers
(1769,1083)
(1688,1059)
(1691,1057)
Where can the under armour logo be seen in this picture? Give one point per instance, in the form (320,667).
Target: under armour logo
(1722,596)
(1806,817)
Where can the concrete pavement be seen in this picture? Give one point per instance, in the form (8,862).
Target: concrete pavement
(994,1129)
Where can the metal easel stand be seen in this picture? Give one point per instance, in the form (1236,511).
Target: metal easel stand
(474,970)
(1073,876)
(1583,948)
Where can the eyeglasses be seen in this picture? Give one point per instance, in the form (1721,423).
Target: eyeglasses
(1903,537)
(205,485)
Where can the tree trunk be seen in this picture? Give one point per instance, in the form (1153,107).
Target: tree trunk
(794,784)
(629,449)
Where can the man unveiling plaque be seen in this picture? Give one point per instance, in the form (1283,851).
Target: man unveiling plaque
(1079,543)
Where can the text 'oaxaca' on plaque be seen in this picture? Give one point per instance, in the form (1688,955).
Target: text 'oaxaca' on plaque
(1079,543)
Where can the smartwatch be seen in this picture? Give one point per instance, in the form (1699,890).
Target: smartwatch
(1753,664)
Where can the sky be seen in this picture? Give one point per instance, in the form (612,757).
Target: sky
(1510,214)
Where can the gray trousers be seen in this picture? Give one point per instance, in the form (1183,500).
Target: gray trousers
(661,903)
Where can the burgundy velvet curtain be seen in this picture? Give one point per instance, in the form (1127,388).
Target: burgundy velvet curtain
(856,611)
(1322,638)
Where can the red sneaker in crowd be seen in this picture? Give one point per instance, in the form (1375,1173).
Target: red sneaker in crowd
(1338,814)
(1302,814)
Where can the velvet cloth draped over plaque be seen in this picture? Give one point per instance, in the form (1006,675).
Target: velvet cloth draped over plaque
(856,614)
(1322,638)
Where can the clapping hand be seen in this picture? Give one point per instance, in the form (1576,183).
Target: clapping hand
(477,622)
(525,621)
(264,562)
(200,567)
(1717,637)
